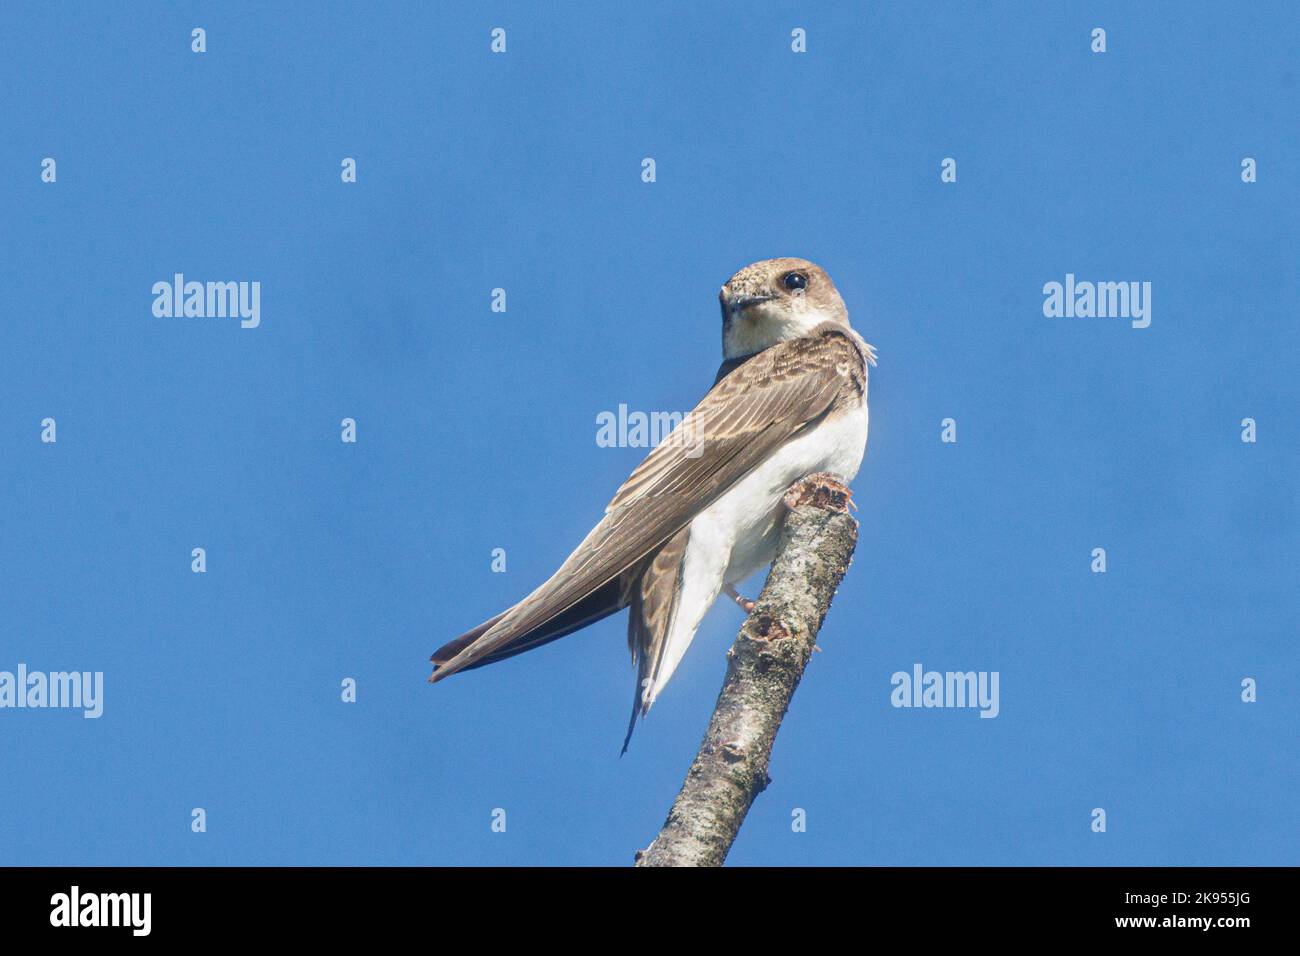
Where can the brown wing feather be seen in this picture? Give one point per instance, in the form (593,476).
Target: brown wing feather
(743,418)
(650,618)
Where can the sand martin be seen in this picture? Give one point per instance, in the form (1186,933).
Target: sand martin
(704,510)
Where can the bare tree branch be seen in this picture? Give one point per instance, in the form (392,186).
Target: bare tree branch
(763,669)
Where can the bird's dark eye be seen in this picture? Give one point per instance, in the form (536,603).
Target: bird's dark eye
(796,280)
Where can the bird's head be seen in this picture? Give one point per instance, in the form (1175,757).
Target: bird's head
(774,301)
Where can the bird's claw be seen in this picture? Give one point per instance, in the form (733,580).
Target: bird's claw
(745,603)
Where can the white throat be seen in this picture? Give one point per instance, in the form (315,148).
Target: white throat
(760,327)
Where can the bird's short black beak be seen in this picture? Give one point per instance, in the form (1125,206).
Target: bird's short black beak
(739,303)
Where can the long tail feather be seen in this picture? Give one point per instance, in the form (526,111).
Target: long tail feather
(601,603)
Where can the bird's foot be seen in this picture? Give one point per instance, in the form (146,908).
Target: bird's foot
(821,489)
(745,603)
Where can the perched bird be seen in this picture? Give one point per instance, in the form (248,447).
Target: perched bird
(704,510)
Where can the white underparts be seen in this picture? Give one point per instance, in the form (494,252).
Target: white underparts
(738,534)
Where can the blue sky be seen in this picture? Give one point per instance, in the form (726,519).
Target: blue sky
(476,430)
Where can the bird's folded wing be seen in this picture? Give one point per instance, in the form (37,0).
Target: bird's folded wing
(650,617)
(749,413)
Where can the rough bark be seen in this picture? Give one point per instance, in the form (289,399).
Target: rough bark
(764,666)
